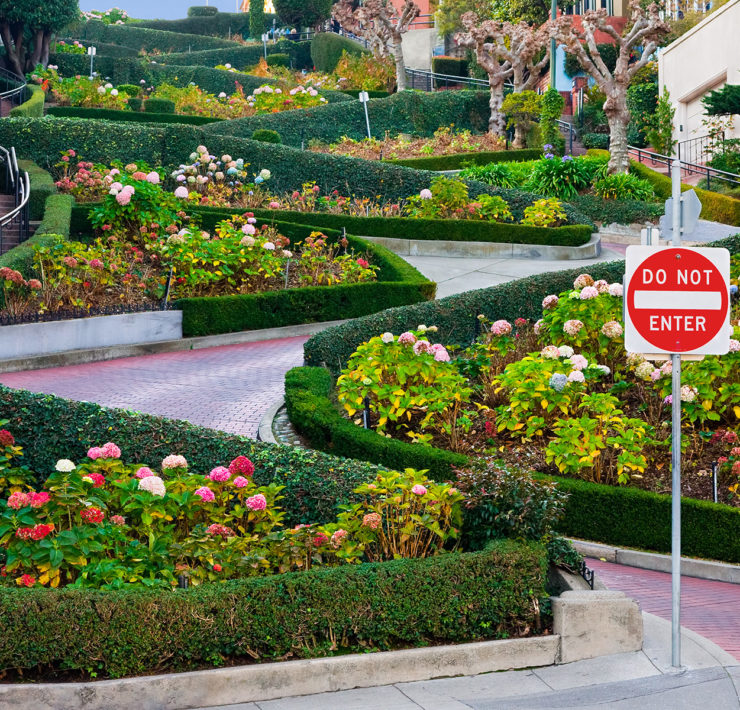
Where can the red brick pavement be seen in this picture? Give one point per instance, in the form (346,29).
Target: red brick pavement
(711,609)
(227,387)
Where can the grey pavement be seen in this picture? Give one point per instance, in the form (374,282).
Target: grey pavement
(642,680)
(457,274)
(706,231)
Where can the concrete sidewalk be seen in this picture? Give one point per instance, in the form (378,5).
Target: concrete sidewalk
(643,679)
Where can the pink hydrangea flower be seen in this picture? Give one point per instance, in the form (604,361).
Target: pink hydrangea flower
(549,302)
(153,484)
(94,453)
(18,500)
(655,375)
(421,346)
(501,327)
(123,198)
(538,326)
(117,520)
(425,194)
(338,537)
(242,465)
(144,472)
(550,352)
(372,521)
(39,499)
(407,338)
(153,177)
(615,289)
(440,353)
(220,474)
(576,376)
(240,482)
(601,286)
(257,502)
(419,490)
(110,451)
(578,362)
(249,229)
(588,293)
(174,461)
(734,345)
(612,329)
(582,281)
(205,494)
(572,327)
(181,192)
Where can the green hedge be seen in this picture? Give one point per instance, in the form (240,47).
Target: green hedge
(33,106)
(353,608)
(55,225)
(608,514)
(142,38)
(42,185)
(42,140)
(155,105)
(715,206)
(438,229)
(414,112)
(355,93)
(117,70)
(240,56)
(207,78)
(220,24)
(327,48)
(619,211)
(595,140)
(136,117)
(104,49)
(308,399)
(460,160)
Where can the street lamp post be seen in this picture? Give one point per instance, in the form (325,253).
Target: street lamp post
(91,51)
(553,47)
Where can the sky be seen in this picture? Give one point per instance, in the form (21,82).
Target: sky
(156,9)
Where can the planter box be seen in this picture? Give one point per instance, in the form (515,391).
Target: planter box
(32,339)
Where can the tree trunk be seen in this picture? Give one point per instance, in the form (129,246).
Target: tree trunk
(496,122)
(518,136)
(45,49)
(38,45)
(400,65)
(618,115)
(11,58)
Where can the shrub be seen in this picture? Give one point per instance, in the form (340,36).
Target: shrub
(562,178)
(221,24)
(202,11)
(135,104)
(131,116)
(266,136)
(302,13)
(129,89)
(42,185)
(624,186)
(461,160)
(445,599)
(278,60)
(256,19)
(595,140)
(239,55)
(551,109)
(451,66)
(522,108)
(327,49)
(159,106)
(619,211)
(33,106)
(642,100)
(505,503)
(138,38)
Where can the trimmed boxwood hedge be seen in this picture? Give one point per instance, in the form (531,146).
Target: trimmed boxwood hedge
(241,56)
(608,514)
(137,117)
(33,106)
(460,160)
(327,48)
(219,24)
(352,608)
(619,211)
(42,185)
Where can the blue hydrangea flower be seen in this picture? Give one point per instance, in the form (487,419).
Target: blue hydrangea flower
(258,180)
(558,381)
(733,289)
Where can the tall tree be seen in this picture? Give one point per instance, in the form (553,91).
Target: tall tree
(635,47)
(302,13)
(256,19)
(382,25)
(26,29)
(449,12)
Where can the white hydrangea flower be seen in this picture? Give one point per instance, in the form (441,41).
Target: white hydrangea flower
(64,466)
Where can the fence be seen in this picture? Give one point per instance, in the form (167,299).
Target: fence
(14,225)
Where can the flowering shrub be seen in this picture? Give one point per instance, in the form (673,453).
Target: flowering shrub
(99,524)
(75,47)
(365,71)
(544,213)
(112,16)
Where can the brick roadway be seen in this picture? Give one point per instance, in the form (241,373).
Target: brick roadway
(711,609)
(227,387)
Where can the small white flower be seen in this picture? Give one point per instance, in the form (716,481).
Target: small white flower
(269,246)
(114,92)
(387,338)
(65,466)
(265,174)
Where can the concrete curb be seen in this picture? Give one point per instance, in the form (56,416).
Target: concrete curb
(702,569)
(264,432)
(78,357)
(487,250)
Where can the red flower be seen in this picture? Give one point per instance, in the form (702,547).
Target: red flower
(320,540)
(217,568)
(241,465)
(489,428)
(86,284)
(364,264)
(6,438)
(98,479)
(92,515)
(26,580)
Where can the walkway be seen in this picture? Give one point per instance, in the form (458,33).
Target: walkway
(711,609)
(227,387)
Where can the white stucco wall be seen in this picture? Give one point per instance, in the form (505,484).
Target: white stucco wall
(705,58)
(417,48)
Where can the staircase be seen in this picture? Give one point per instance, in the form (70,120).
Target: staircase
(14,197)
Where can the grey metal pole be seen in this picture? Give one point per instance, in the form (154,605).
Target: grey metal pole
(367,121)
(553,47)
(676,452)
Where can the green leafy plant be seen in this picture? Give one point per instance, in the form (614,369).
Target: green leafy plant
(522,108)
(544,213)
(659,130)
(624,186)
(559,177)
(551,109)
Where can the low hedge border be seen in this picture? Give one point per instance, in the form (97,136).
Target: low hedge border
(42,185)
(33,106)
(54,226)
(597,512)
(715,206)
(135,116)
(460,160)
(450,598)
(619,211)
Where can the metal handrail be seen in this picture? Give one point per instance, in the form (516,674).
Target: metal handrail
(20,185)
(709,172)
(17,92)
(704,144)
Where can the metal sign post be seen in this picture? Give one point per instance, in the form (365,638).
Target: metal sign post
(677,304)
(265,37)
(364,98)
(91,51)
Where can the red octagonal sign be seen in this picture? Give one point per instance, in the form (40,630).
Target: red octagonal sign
(677,300)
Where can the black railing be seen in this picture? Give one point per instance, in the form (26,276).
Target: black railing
(14,224)
(12,88)
(649,157)
(569,131)
(700,149)
(430,81)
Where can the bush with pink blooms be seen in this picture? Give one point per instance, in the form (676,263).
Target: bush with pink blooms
(560,393)
(105,523)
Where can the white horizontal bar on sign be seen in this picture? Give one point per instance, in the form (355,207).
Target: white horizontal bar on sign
(679,300)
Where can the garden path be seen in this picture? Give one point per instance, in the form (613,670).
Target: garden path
(711,609)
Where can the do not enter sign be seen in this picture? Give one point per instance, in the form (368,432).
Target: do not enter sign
(677,300)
